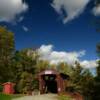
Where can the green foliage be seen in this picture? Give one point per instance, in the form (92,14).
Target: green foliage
(75,78)
(98,49)
(35,84)
(81,81)
(98,69)
(97,83)
(42,65)
(87,85)
(26,81)
(25,63)
(64,68)
(6,54)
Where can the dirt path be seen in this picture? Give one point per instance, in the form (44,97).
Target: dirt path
(39,97)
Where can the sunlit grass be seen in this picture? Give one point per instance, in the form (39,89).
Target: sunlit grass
(64,97)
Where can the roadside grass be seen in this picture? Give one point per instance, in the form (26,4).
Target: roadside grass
(17,96)
(64,97)
(5,97)
(10,97)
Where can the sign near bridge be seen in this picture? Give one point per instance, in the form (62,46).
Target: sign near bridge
(48,72)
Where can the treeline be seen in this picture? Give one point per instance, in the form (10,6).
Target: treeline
(21,67)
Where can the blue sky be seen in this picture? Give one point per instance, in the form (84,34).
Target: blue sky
(40,24)
(46,27)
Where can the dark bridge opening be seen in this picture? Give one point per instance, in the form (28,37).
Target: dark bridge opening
(50,83)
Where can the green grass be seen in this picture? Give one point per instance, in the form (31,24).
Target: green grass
(10,97)
(5,97)
(64,97)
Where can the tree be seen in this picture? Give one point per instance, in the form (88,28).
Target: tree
(75,77)
(98,49)
(97,78)
(25,83)
(87,85)
(25,62)
(82,81)
(7,48)
(64,68)
(42,65)
(97,83)
(97,2)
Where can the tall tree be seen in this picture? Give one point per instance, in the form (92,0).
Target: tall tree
(97,83)
(7,48)
(82,81)
(25,62)
(87,85)
(75,77)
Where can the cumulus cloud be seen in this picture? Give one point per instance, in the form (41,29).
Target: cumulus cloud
(55,57)
(10,9)
(96,10)
(47,53)
(69,9)
(45,50)
(89,64)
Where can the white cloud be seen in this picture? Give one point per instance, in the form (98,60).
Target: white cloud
(89,64)
(96,10)
(47,53)
(10,9)
(20,18)
(55,57)
(25,28)
(45,50)
(69,9)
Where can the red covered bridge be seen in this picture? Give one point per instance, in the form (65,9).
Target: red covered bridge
(51,81)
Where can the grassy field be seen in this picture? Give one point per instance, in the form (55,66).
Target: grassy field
(9,97)
(5,97)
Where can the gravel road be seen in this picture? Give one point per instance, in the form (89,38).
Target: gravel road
(39,97)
